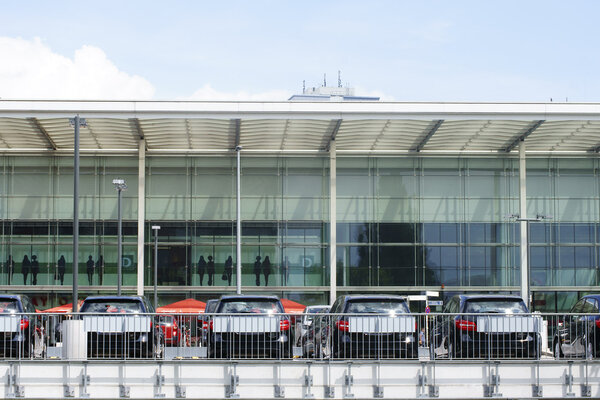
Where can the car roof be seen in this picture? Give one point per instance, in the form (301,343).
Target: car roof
(373,297)
(592,296)
(114,298)
(318,306)
(11,296)
(249,296)
(464,297)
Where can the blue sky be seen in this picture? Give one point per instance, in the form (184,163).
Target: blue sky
(401,50)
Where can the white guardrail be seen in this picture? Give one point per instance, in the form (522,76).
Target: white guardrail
(430,337)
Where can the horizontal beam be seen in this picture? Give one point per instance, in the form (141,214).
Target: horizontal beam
(300,110)
(265,379)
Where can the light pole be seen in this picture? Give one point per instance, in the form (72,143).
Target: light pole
(76,122)
(238,274)
(155,228)
(120,185)
(525,285)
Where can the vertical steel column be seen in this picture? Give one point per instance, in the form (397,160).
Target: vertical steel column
(76,215)
(141,215)
(238,227)
(119,244)
(332,223)
(523,224)
(155,228)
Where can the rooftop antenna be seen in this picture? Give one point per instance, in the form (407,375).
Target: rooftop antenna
(339,78)
(304,87)
(325,80)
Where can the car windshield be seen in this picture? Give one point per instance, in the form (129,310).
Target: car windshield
(9,306)
(314,310)
(112,307)
(369,306)
(250,306)
(500,306)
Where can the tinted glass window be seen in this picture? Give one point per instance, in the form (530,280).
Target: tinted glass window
(396,233)
(250,306)
(9,306)
(211,306)
(376,307)
(501,306)
(110,306)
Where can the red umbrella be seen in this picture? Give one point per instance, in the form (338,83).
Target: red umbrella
(291,307)
(184,306)
(62,309)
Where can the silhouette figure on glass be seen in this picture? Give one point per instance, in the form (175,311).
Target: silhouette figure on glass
(210,269)
(228,269)
(285,271)
(10,268)
(201,268)
(257,265)
(266,269)
(100,269)
(35,268)
(90,269)
(25,267)
(62,266)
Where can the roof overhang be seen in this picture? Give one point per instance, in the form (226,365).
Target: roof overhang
(301,127)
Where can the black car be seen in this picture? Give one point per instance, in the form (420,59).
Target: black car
(578,334)
(371,326)
(485,325)
(249,326)
(119,326)
(22,332)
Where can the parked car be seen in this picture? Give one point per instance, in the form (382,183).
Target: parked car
(204,320)
(484,325)
(578,334)
(371,326)
(311,329)
(119,326)
(22,333)
(172,333)
(249,326)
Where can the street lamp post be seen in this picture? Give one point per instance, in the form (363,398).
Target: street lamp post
(76,122)
(155,228)
(120,185)
(525,284)
(238,273)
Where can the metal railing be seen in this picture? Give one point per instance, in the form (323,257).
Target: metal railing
(430,337)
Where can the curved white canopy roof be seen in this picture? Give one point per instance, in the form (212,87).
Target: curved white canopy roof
(358,127)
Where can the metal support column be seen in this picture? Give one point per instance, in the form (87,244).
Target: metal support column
(119,244)
(141,215)
(238,237)
(332,224)
(523,225)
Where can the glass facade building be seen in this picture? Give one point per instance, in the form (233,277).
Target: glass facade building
(404,224)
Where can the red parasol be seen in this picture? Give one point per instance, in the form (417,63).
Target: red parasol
(63,309)
(291,307)
(183,306)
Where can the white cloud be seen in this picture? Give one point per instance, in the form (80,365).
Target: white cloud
(31,70)
(207,92)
